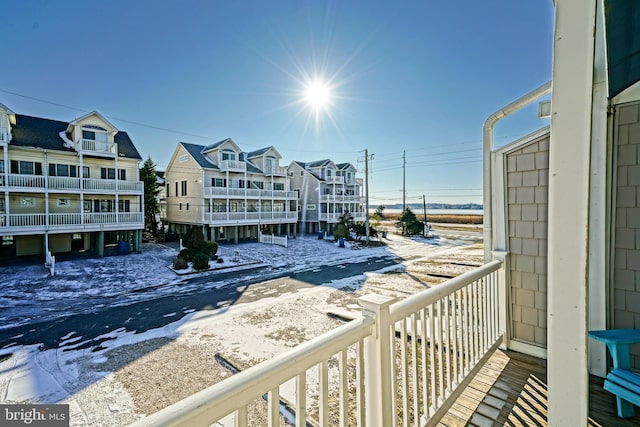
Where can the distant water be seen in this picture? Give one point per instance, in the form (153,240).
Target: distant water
(435,211)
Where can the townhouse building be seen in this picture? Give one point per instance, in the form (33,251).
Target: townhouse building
(326,190)
(67,186)
(231,194)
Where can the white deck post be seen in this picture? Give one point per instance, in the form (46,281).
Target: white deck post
(377,366)
(568,231)
(504,304)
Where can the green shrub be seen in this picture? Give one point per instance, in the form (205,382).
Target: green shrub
(196,240)
(187,254)
(341,231)
(201,261)
(179,263)
(220,261)
(211,249)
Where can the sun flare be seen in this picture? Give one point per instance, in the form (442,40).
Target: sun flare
(317,94)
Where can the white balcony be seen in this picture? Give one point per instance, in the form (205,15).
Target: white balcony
(330,217)
(340,198)
(4,135)
(32,183)
(275,170)
(334,180)
(242,193)
(233,218)
(401,363)
(40,222)
(92,147)
(232,166)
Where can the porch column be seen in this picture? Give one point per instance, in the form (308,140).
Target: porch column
(100,244)
(235,234)
(569,172)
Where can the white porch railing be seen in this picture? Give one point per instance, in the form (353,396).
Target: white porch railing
(212,217)
(69,219)
(89,145)
(271,239)
(27,220)
(26,181)
(68,183)
(334,180)
(241,193)
(401,364)
(332,217)
(232,165)
(340,198)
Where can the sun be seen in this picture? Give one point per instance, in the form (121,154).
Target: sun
(317,94)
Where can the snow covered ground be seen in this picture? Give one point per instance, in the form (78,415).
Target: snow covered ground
(138,373)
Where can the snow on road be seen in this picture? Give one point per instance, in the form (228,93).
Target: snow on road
(138,373)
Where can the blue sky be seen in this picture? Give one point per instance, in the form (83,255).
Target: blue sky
(418,76)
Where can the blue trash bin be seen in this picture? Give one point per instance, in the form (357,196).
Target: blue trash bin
(341,242)
(320,235)
(123,248)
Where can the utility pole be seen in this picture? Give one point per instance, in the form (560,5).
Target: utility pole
(404,181)
(366,197)
(424,205)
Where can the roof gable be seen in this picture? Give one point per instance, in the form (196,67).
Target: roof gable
(221,145)
(87,118)
(262,152)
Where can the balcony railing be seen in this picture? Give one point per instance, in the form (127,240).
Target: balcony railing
(232,165)
(241,193)
(402,363)
(330,217)
(275,170)
(340,198)
(73,184)
(334,179)
(213,217)
(98,147)
(39,220)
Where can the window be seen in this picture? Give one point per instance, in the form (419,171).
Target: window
(1,166)
(7,240)
(218,182)
(219,207)
(27,202)
(329,173)
(94,133)
(278,186)
(228,155)
(187,205)
(110,173)
(177,188)
(103,206)
(311,207)
(301,173)
(2,205)
(63,170)
(180,206)
(26,168)
(86,206)
(63,202)
(258,184)
(270,164)
(124,206)
(184,188)
(168,187)
(85,172)
(107,173)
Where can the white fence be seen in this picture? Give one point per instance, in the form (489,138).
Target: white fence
(403,363)
(273,240)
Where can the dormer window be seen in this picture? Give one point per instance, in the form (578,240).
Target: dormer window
(94,133)
(228,155)
(270,163)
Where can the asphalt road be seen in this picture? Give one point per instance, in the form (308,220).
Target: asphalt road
(87,330)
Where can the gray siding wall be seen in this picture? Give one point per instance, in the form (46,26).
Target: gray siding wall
(527,189)
(626,274)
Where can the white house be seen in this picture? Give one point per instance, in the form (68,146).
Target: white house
(67,186)
(231,194)
(326,190)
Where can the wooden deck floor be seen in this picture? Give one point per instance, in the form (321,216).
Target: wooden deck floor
(512,390)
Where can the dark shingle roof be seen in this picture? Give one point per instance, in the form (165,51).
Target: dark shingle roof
(317,163)
(45,133)
(343,166)
(215,144)
(258,152)
(196,152)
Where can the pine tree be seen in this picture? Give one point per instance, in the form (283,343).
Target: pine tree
(148,177)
